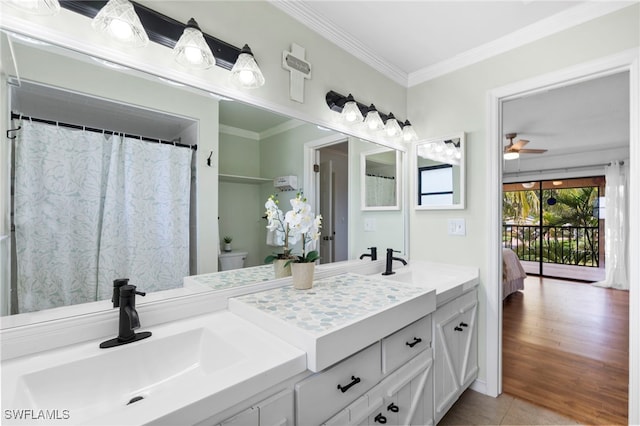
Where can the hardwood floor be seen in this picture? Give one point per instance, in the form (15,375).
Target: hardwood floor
(566,347)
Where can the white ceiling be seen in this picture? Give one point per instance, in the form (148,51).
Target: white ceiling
(412,41)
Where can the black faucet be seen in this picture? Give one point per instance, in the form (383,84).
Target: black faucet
(373,255)
(129,319)
(390,259)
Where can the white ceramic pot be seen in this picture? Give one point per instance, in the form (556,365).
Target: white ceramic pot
(280,270)
(302,274)
(227,247)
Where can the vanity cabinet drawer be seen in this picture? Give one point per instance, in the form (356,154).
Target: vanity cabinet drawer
(322,395)
(405,343)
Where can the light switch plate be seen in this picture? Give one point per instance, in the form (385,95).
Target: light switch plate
(457,227)
(369,224)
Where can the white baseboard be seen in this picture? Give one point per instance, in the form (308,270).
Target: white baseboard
(480,386)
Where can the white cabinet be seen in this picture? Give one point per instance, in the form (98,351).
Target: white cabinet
(455,350)
(276,410)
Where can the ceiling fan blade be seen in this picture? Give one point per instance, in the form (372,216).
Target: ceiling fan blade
(532,151)
(518,145)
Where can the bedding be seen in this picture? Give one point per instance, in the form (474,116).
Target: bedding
(513,274)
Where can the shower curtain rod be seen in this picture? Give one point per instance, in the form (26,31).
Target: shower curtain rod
(96,130)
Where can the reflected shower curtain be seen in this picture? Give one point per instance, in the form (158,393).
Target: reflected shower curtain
(616,226)
(380,190)
(90,208)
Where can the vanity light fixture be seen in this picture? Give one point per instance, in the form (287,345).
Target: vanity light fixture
(408,133)
(119,20)
(191,50)
(37,7)
(246,72)
(391,127)
(372,121)
(350,111)
(511,155)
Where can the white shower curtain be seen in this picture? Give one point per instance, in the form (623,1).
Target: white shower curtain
(380,190)
(90,208)
(616,225)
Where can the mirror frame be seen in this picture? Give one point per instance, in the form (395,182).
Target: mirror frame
(363,174)
(414,170)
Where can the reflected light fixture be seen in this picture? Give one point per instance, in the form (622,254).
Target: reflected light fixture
(528,185)
(119,20)
(557,182)
(246,72)
(191,50)
(350,112)
(373,121)
(391,127)
(37,7)
(408,133)
(511,155)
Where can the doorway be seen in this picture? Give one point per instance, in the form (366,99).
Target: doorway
(627,61)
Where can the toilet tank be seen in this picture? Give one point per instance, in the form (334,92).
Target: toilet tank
(232,260)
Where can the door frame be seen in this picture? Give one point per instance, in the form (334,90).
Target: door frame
(628,60)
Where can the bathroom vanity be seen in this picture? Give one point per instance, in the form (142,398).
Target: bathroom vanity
(358,348)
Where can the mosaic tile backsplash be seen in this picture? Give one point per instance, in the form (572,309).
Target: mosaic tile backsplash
(332,302)
(235,277)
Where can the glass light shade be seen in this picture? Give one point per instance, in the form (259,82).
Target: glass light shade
(372,121)
(37,7)
(119,20)
(408,133)
(246,72)
(191,50)
(350,112)
(528,185)
(511,155)
(391,127)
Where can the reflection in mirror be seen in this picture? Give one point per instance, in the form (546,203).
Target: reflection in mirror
(381,174)
(440,171)
(250,148)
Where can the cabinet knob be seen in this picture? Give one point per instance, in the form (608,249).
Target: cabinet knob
(380,419)
(393,408)
(416,340)
(354,381)
(457,328)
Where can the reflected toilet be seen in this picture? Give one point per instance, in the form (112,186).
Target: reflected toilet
(232,260)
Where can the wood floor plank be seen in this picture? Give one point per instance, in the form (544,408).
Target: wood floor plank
(566,348)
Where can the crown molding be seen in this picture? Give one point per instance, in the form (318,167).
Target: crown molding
(554,24)
(280,128)
(234,131)
(321,25)
(564,20)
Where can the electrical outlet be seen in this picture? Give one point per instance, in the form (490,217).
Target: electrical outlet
(457,227)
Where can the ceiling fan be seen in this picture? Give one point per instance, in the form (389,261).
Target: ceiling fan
(513,150)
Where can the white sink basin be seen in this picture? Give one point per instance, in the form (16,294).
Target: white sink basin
(180,364)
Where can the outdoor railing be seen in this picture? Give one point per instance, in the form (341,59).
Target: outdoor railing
(566,245)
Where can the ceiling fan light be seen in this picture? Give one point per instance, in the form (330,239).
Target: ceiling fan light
(511,155)
(118,19)
(37,7)
(350,112)
(191,50)
(246,72)
(372,121)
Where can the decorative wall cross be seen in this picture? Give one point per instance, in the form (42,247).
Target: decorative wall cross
(299,71)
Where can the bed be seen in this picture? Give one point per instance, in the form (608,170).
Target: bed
(513,274)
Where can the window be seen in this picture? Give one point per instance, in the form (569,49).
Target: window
(435,186)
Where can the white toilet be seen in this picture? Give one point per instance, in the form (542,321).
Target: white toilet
(232,260)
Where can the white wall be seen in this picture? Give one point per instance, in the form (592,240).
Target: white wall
(458,102)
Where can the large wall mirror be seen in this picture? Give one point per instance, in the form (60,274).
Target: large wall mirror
(440,173)
(380,170)
(252,147)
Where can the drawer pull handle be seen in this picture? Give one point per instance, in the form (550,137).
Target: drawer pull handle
(380,418)
(457,328)
(354,381)
(393,408)
(464,324)
(416,340)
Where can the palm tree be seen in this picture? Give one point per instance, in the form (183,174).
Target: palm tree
(520,205)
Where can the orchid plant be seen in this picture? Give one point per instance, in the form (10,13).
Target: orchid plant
(297,225)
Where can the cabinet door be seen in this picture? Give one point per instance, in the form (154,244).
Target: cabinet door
(468,344)
(446,356)
(277,410)
(248,417)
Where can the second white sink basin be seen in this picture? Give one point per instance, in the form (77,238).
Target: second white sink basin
(182,363)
